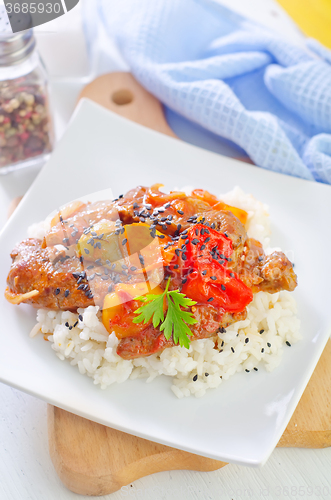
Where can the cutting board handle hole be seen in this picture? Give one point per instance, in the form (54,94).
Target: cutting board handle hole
(121,97)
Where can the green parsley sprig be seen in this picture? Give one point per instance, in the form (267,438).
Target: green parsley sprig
(175,322)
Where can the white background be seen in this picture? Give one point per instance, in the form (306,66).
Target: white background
(26,471)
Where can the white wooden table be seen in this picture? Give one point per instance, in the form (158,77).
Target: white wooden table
(26,471)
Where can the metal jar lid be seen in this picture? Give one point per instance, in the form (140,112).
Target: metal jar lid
(15,47)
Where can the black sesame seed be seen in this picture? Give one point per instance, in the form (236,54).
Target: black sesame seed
(223,288)
(214,278)
(256,369)
(206,374)
(176,266)
(195,378)
(232,275)
(75,324)
(210,299)
(124,242)
(246,340)
(207,239)
(202,232)
(260,259)
(184,281)
(66,293)
(261,331)
(167,205)
(65,240)
(135,205)
(184,256)
(262,350)
(81,287)
(247,370)
(80,317)
(195,241)
(142,262)
(66,324)
(120,196)
(268,344)
(203,247)
(287,343)
(232,349)
(86,251)
(180,212)
(204,273)
(133,268)
(110,288)
(197,232)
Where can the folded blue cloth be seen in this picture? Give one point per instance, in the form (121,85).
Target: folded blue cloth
(230,75)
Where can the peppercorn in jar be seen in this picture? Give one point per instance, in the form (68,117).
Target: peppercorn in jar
(25,121)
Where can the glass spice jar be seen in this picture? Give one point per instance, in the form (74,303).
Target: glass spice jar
(26,132)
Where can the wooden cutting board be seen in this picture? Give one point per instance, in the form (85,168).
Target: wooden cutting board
(92,459)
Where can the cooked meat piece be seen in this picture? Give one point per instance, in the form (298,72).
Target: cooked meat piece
(62,282)
(170,213)
(277,273)
(69,229)
(151,340)
(270,273)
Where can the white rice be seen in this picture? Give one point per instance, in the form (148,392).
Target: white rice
(271,323)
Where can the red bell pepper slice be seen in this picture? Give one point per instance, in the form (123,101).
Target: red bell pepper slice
(207,245)
(218,286)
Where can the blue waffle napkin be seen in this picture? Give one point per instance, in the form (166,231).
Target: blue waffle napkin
(230,75)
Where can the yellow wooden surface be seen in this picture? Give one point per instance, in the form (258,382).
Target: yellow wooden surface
(312,16)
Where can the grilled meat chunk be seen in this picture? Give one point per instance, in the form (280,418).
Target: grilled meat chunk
(57,280)
(151,340)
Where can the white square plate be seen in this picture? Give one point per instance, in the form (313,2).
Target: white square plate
(244,418)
